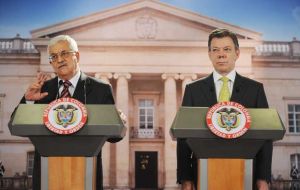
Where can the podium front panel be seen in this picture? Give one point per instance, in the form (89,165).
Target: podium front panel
(190,122)
(86,146)
(103,122)
(221,148)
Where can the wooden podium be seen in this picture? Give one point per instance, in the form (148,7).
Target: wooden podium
(68,160)
(225,163)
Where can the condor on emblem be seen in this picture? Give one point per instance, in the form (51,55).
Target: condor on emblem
(228,120)
(65,116)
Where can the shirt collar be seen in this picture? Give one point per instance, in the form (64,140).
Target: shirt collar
(230,75)
(73,80)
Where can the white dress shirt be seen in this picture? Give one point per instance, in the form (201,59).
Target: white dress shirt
(73,80)
(219,83)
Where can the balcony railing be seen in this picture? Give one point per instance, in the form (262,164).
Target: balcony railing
(273,48)
(285,185)
(136,133)
(16,183)
(17,45)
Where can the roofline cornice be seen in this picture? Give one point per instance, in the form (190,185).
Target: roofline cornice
(138,5)
(38,42)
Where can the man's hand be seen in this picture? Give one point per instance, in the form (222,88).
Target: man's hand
(187,185)
(262,185)
(33,93)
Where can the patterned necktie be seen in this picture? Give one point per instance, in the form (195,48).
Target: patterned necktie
(224,93)
(65,92)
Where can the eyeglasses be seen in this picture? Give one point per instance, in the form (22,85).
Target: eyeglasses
(63,54)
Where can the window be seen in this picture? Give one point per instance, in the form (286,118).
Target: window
(30,157)
(146,113)
(295,160)
(294,118)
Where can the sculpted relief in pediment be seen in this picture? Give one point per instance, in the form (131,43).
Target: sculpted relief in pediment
(143,25)
(146,27)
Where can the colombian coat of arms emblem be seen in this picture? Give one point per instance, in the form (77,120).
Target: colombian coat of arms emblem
(228,120)
(65,116)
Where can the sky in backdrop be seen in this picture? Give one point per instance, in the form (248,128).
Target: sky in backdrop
(277,20)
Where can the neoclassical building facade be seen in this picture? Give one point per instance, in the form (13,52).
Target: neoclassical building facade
(148,51)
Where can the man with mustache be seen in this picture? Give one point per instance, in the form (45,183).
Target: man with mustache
(64,58)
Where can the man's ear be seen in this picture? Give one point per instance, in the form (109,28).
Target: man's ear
(77,56)
(237,53)
(209,55)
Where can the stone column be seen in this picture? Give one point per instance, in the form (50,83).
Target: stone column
(170,102)
(186,78)
(122,148)
(108,150)
(104,76)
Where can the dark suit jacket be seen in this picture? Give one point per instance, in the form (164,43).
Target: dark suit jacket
(89,91)
(202,93)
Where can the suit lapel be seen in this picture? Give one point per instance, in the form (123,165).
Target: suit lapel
(82,88)
(52,90)
(51,87)
(239,88)
(209,90)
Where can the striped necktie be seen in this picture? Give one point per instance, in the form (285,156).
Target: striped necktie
(224,92)
(65,92)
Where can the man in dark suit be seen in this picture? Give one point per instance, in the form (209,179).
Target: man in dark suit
(2,171)
(64,58)
(223,50)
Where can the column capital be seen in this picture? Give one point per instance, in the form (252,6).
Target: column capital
(170,75)
(51,75)
(183,76)
(105,75)
(126,75)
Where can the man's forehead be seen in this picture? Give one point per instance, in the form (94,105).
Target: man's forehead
(222,42)
(59,46)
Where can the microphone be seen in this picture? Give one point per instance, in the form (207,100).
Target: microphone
(84,91)
(85,85)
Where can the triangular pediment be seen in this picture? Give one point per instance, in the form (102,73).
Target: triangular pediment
(142,20)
